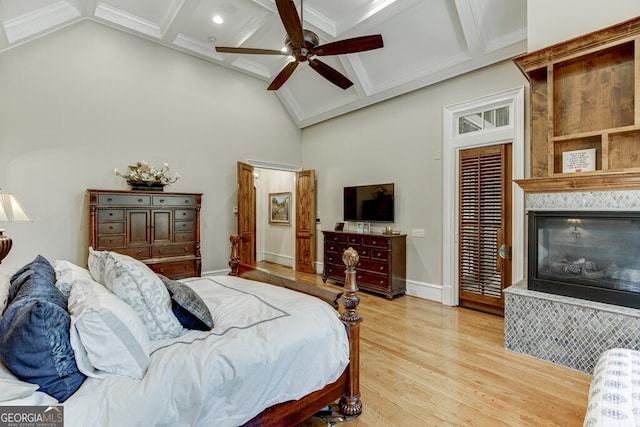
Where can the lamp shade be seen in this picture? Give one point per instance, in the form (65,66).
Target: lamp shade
(10,209)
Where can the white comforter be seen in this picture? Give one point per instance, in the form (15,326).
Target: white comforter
(268,345)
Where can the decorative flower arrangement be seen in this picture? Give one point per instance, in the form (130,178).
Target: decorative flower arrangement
(144,173)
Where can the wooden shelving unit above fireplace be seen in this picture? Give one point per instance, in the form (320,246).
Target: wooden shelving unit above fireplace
(585,95)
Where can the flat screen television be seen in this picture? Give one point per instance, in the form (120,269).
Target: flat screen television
(369,203)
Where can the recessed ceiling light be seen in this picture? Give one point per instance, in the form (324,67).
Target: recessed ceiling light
(218,19)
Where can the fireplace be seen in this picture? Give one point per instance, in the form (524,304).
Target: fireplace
(592,255)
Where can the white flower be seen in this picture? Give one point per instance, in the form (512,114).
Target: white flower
(144,172)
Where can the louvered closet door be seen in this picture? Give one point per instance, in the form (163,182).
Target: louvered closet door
(484,227)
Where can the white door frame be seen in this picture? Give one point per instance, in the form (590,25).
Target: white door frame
(453,143)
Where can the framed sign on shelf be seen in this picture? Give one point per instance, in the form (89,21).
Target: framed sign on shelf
(579,160)
(280,208)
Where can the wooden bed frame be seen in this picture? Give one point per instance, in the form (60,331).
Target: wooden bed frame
(347,388)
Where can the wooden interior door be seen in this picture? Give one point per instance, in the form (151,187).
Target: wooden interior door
(306,221)
(484,227)
(246,214)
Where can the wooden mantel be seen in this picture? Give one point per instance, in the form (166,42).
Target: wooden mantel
(584,181)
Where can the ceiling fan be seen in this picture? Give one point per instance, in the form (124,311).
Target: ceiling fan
(303,45)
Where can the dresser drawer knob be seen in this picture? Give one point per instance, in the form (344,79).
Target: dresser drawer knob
(161,251)
(186,248)
(139,200)
(186,201)
(139,252)
(381,268)
(110,213)
(374,242)
(109,199)
(161,270)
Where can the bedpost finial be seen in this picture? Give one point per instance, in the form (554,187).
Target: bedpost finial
(234,258)
(350,258)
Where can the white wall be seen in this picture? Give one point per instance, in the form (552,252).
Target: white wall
(398,141)
(86,99)
(551,21)
(276,242)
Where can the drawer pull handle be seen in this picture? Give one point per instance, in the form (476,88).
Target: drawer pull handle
(161,270)
(139,252)
(139,200)
(186,201)
(161,250)
(111,227)
(109,199)
(184,214)
(382,282)
(374,242)
(161,200)
(186,248)
(381,268)
(110,213)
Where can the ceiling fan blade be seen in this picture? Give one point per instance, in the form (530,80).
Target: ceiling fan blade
(291,22)
(249,51)
(283,76)
(356,44)
(331,74)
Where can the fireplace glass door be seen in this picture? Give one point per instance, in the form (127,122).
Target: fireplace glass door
(588,255)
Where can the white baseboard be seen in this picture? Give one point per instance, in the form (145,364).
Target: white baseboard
(278,259)
(428,291)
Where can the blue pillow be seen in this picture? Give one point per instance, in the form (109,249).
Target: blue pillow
(187,306)
(34,332)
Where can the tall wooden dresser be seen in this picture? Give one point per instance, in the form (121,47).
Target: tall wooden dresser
(160,229)
(382,265)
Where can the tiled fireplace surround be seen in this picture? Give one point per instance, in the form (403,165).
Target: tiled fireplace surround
(569,331)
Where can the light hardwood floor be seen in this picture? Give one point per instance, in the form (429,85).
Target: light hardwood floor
(426,364)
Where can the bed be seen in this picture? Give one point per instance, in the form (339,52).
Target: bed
(274,356)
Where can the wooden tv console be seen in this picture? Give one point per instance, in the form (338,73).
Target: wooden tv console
(382,266)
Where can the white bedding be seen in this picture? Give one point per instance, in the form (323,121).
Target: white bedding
(268,345)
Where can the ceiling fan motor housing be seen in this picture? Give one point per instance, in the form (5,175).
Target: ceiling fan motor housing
(311,40)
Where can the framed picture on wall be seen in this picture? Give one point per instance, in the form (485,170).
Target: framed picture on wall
(280,208)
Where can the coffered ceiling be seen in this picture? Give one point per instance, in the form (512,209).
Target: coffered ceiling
(425,41)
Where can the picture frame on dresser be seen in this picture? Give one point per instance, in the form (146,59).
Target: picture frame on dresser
(280,208)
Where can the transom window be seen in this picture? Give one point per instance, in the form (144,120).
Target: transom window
(484,120)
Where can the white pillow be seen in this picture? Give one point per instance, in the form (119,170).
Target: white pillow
(107,336)
(134,283)
(4,293)
(67,273)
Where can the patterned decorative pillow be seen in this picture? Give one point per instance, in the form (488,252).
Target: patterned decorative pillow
(4,293)
(135,283)
(96,263)
(67,273)
(34,332)
(187,305)
(107,335)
